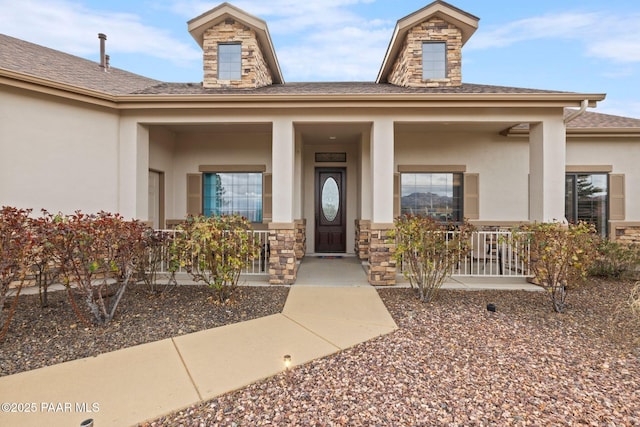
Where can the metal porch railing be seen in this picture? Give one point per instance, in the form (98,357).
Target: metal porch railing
(257,266)
(492,253)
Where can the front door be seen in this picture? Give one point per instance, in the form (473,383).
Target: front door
(331,227)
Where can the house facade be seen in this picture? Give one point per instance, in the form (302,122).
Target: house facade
(325,167)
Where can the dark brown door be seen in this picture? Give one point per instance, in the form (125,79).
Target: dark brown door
(331,227)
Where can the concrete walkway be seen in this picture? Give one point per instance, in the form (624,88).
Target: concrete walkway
(140,383)
(330,308)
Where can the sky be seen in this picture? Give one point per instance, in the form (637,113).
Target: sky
(585,46)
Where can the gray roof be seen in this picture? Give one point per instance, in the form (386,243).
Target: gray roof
(38,61)
(331,88)
(598,120)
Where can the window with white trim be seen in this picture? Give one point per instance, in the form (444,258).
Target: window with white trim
(229,61)
(434,60)
(438,195)
(228,193)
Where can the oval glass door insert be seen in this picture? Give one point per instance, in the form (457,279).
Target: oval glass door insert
(330,199)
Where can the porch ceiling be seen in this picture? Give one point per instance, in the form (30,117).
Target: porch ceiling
(331,133)
(217,127)
(441,127)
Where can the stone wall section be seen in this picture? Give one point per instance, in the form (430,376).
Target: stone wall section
(362,238)
(254,72)
(629,234)
(382,264)
(301,238)
(283,267)
(407,70)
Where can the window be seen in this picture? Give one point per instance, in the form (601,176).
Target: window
(229,61)
(233,193)
(434,60)
(438,195)
(587,199)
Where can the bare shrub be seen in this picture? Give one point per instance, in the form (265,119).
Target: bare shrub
(97,256)
(16,245)
(560,258)
(430,250)
(214,250)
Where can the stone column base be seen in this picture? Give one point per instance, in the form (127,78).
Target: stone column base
(363,237)
(301,238)
(382,264)
(625,232)
(282,258)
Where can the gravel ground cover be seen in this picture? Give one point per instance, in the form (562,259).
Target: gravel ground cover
(453,363)
(40,337)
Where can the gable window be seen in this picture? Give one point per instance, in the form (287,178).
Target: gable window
(229,61)
(233,193)
(438,195)
(587,199)
(434,60)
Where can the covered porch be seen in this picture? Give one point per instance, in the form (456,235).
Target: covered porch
(333,183)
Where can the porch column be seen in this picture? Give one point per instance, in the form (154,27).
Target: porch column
(547,163)
(282,231)
(382,265)
(363,222)
(133,170)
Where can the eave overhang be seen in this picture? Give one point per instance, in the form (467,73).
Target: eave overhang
(197,27)
(53,88)
(596,132)
(317,100)
(466,22)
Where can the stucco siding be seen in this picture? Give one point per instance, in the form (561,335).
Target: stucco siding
(621,155)
(56,154)
(161,152)
(502,165)
(194,149)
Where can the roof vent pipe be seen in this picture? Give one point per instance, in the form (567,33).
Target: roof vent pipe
(103,59)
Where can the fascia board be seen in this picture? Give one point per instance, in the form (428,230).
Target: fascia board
(53,88)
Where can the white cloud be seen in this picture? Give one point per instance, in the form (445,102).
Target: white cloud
(566,25)
(315,38)
(603,35)
(72,27)
(620,108)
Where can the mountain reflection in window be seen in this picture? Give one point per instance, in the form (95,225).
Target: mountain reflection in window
(438,195)
(330,199)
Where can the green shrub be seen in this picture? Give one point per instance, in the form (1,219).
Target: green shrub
(429,250)
(615,259)
(560,256)
(214,250)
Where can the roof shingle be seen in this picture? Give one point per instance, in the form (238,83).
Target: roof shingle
(39,61)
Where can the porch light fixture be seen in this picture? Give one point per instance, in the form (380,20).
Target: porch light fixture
(332,138)
(287,361)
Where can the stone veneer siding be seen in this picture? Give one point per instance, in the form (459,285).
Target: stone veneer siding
(283,267)
(301,238)
(255,72)
(382,264)
(629,234)
(407,70)
(362,238)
